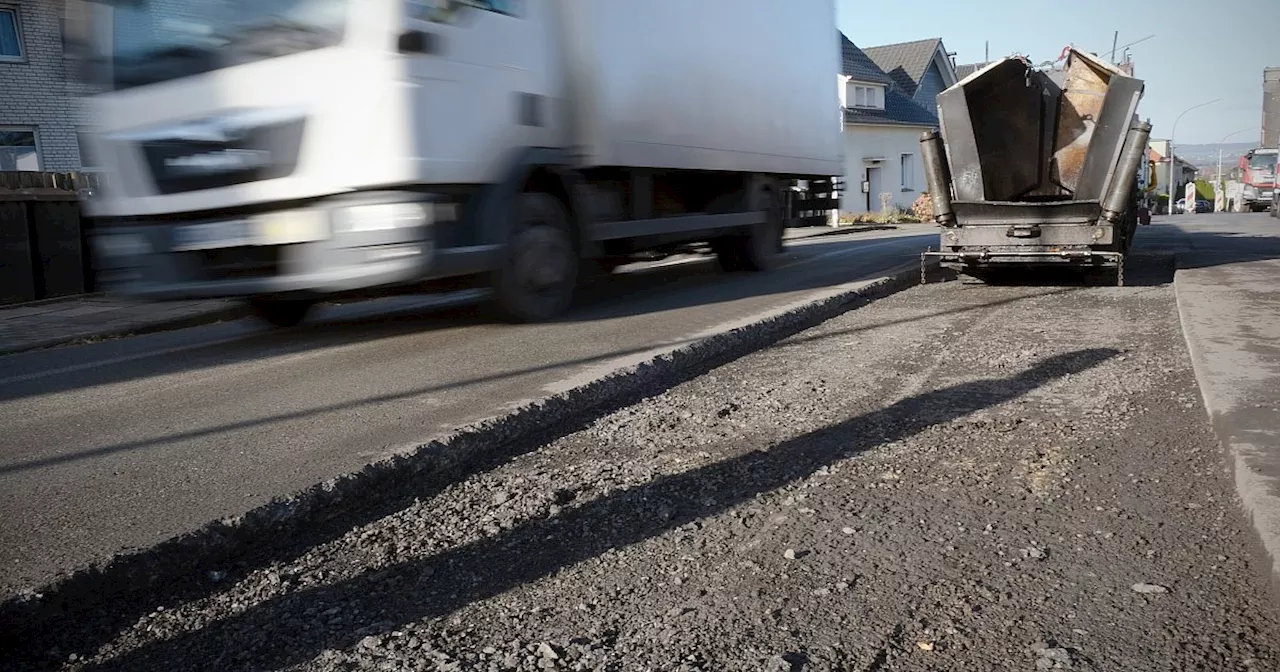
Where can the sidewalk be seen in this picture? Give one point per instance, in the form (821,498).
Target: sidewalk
(46,324)
(1230,313)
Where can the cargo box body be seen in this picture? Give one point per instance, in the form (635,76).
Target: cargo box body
(726,85)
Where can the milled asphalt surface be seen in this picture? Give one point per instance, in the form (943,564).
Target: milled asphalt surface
(125,443)
(956,477)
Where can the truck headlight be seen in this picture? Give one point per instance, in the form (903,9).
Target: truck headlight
(1250,191)
(381,217)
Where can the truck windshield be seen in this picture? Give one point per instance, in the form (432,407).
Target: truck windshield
(1263,162)
(160,40)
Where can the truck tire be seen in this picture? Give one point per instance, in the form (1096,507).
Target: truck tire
(537,278)
(281,312)
(759,247)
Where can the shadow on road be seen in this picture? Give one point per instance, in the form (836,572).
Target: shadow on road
(267,635)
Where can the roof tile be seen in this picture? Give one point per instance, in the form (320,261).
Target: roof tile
(858,65)
(898,110)
(905,62)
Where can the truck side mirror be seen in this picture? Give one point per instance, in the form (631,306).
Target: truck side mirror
(418,42)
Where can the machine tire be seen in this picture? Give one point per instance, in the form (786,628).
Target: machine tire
(537,278)
(282,313)
(760,247)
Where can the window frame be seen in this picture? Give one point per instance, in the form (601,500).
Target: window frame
(867,97)
(16,12)
(35,138)
(907,169)
(83,134)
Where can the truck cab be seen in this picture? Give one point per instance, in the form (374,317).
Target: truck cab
(1258,170)
(263,149)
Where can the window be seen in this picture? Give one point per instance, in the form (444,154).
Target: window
(18,149)
(10,35)
(88,159)
(908,172)
(866,96)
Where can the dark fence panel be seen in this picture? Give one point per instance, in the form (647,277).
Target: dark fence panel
(43,249)
(58,245)
(17,273)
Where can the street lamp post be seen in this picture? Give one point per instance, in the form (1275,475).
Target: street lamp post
(1173,163)
(1222,184)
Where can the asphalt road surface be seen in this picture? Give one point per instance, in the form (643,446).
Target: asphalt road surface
(125,443)
(957,477)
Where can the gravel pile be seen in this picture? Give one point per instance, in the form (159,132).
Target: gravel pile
(953,478)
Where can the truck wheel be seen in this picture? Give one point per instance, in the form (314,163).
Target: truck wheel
(537,278)
(281,312)
(759,248)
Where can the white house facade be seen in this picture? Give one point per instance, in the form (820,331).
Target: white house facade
(881,159)
(882,129)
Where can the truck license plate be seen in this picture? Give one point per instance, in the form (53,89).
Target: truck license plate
(212,235)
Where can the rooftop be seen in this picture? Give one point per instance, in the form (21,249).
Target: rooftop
(905,62)
(857,65)
(899,109)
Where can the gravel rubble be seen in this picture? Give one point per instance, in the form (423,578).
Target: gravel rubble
(952,478)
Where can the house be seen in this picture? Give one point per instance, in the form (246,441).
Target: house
(39,102)
(921,69)
(882,128)
(963,71)
(1184,173)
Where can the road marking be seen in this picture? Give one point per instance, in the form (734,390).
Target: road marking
(118,360)
(836,253)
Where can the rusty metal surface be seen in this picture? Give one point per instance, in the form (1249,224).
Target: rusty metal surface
(1080,107)
(1031,135)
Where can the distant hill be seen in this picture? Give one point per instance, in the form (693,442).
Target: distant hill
(1205,157)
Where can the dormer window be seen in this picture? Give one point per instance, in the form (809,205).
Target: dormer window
(866,96)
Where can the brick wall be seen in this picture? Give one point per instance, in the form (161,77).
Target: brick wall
(37,93)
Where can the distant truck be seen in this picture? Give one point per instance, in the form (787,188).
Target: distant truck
(283,152)
(1037,167)
(1258,175)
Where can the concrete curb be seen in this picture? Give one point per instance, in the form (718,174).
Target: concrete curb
(1247,441)
(188,558)
(157,326)
(841,230)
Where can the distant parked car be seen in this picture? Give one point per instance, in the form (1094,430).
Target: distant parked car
(1204,206)
(1180,206)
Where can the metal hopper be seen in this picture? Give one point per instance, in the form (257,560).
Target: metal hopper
(1035,166)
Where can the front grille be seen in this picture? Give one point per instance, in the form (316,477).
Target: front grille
(238,263)
(262,153)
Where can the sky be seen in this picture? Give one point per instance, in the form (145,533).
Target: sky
(1201,50)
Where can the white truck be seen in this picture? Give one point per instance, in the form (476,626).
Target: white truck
(285,151)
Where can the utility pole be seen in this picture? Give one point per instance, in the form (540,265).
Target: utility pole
(1114,41)
(1222,184)
(1173,163)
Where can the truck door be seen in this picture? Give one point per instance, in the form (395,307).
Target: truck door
(481,89)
